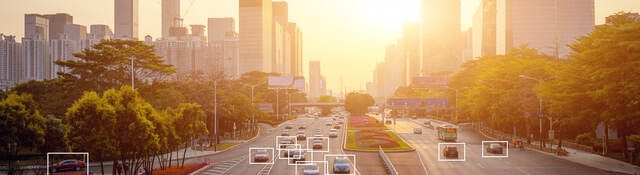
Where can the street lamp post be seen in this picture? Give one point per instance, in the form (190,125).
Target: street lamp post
(215,114)
(132,74)
(253,115)
(541,115)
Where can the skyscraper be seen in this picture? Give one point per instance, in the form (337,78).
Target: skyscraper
(223,46)
(100,32)
(441,36)
(170,13)
(315,80)
(546,25)
(295,49)
(36,27)
(56,24)
(75,32)
(255,35)
(281,40)
(126,19)
(10,59)
(411,43)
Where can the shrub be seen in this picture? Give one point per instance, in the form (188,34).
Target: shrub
(585,139)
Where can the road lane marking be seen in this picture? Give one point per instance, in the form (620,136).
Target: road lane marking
(522,171)
(422,163)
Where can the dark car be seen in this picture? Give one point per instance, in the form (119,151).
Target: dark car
(341,166)
(284,141)
(297,156)
(301,135)
(288,127)
(450,152)
(336,127)
(495,148)
(261,156)
(302,127)
(317,144)
(68,165)
(284,133)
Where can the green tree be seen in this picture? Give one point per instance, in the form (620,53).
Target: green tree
(189,121)
(327,99)
(53,96)
(108,64)
(21,124)
(54,140)
(90,127)
(358,103)
(600,79)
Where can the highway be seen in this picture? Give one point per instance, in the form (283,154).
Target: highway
(525,162)
(237,160)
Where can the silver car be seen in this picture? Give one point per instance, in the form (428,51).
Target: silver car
(311,170)
(341,166)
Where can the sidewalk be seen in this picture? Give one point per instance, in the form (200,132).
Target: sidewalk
(586,158)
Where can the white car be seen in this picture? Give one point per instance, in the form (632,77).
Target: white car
(311,170)
(333,133)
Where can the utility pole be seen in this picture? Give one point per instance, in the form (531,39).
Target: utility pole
(215,114)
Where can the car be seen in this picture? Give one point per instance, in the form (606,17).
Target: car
(261,156)
(333,133)
(285,141)
(288,151)
(288,127)
(450,152)
(336,127)
(494,148)
(317,134)
(329,124)
(317,144)
(341,165)
(311,170)
(428,122)
(301,135)
(284,132)
(68,165)
(387,121)
(339,122)
(297,156)
(417,130)
(302,127)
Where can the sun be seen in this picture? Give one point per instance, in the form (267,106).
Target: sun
(390,12)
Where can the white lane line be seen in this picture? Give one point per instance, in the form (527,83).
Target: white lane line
(522,171)
(480,165)
(422,163)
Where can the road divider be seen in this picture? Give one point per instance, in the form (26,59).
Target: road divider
(388,165)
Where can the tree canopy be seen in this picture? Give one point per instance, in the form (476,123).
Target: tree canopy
(358,103)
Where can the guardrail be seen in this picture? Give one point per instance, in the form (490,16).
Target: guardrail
(388,165)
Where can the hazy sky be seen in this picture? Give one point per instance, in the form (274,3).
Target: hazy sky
(347,36)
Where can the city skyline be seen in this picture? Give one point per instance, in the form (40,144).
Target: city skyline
(362,59)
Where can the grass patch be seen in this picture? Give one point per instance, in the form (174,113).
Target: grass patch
(221,146)
(369,141)
(187,169)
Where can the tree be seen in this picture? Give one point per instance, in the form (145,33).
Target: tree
(600,80)
(53,96)
(327,99)
(90,127)
(108,64)
(358,103)
(54,139)
(189,121)
(21,124)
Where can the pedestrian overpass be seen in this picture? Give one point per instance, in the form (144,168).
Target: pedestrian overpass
(316,104)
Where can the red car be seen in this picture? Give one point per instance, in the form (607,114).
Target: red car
(67,165)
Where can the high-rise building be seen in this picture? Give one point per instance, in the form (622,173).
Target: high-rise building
(75,32)
(315,80)
(36,27)
(223,45)
(170,13)
(126,19)
(255,35)
(281,39)
(411,42)
(36,60)
(546,25)
(56,24)
(295,49)
(100,32)
(10,58)
(484,29)
(441,37)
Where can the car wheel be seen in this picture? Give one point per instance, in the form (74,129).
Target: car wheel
(77,168)
(54,170)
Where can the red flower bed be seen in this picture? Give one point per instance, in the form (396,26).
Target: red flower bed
(364,121)
(372,139)
(188,168)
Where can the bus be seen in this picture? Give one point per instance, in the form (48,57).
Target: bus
(447,133)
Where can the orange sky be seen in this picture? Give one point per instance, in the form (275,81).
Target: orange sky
(347,36)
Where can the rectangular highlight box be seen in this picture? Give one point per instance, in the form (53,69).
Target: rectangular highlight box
(506,149)
(464,153)
(68,153)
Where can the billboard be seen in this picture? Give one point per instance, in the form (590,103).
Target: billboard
(435,102)
(286,82)
(430,82)
(266,107)
(407,102)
